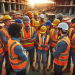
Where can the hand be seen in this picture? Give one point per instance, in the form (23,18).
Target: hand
(53,50)
(39,45)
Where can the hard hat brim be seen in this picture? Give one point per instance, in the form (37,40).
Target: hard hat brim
(42,32)
(54,24)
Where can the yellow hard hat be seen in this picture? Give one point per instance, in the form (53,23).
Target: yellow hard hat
(43,29)
(29,13)
(35,13)
(56,22)
(37,24)
(6,17)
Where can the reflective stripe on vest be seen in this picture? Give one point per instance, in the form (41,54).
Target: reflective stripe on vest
(27,35)
(43,22)
(63,58)
(41,42)
(14,59)
(70,32)
(6,35)
(53,37)
(1,48)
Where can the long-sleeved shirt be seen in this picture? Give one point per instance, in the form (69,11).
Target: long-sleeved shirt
(3,38)
(19,51)
(61,47)
(34,37)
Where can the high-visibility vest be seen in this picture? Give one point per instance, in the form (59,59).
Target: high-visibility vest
(6,35)
(41,42)
(63,58)
(32,23)
(15,61)
(37,36)
(53,37)
(1,48)
(27,35)
(70,32)
(44,21)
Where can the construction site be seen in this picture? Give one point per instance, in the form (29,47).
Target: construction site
(19,8)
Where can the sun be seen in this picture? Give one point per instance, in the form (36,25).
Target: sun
(37,1)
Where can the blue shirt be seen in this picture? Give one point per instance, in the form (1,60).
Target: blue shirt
(34,37)
(18,51)
(61,47)
(3,38)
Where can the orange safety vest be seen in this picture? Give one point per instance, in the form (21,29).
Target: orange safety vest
(63,58)
(70,32)
(27,35)
(14,59)
(1,48)
(6,35)
(43,22)
(41,42)
(32,24)
(53,37)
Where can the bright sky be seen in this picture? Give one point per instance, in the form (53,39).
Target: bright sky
(39,1)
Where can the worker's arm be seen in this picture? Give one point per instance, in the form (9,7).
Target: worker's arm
(18,51)
(61,47)
(3,38)
(54,40)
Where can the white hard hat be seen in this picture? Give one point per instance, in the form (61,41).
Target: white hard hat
(42,16)
(64,26)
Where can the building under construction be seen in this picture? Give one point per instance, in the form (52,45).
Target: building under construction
(65,6)
(8,5)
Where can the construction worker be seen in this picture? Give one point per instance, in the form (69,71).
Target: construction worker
(71,35)
(17,57)
(42,21)
(61,50)
(44,40)
(29,14)
(35,16)
(54,38)
(19,21)
(1,52)
(29,34)
(36,26)
(48,26)
(60,17)
(4,37)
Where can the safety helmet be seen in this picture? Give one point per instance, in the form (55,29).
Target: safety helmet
(59,16)
(35,13)
(6,17)
(56,22)
(73,20)
(43,29)
(18,21)
(26,19)
(48,23)
(64,26)
(42,16)
(29,13)
(37,24)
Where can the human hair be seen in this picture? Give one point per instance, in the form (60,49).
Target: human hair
(14,28)
(63,31)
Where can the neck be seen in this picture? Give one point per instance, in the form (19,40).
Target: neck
(43,35)
(62,35)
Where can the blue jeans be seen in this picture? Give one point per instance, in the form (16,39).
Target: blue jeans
(7,63)
(31,54)
(39,52)
(1,62)
(23,72)
(73,58)
(52,58)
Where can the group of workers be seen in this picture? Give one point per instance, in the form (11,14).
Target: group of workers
(22,36)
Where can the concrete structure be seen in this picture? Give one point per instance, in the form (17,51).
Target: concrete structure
(8,5)
(65,6)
